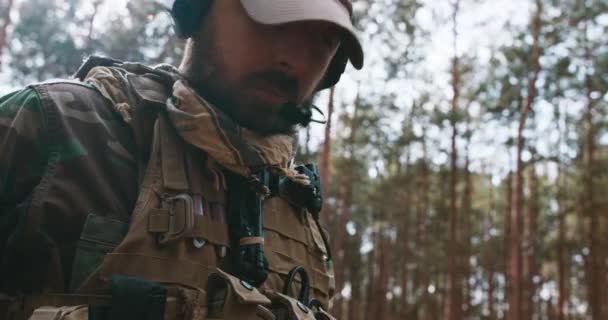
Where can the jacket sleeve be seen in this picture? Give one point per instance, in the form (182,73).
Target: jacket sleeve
(23,155)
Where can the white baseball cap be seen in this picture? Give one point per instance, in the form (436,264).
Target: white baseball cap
(333,11)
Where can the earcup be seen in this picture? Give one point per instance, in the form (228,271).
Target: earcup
(187,15)
(335,70)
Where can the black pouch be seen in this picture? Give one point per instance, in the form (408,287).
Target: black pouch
(100,235)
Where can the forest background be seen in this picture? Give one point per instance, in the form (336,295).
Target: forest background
(464,169)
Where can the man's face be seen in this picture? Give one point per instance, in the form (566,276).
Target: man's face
(250,70)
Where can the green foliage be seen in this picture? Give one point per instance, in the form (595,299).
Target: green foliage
(51,38)
(40,47)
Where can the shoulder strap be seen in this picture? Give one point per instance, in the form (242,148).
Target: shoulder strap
(149,93)
(91,62)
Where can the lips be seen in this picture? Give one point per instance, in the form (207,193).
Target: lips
(270,93)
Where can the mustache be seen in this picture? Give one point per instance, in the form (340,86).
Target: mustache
(278,79)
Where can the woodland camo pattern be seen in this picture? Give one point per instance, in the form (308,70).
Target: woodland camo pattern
(81,148)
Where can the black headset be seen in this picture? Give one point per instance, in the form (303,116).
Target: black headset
(187,15)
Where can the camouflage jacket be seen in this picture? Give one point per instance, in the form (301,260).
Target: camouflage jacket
(66,153)
(58,163)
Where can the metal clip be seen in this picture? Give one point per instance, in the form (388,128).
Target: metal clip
(304,295)
(181,218)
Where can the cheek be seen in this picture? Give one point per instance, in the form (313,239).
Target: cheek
(239,46)
(318,70)
(238,53)
(314,78)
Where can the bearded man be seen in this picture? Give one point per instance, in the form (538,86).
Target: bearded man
(134,192)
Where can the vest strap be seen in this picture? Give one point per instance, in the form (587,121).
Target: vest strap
(21,308)
(182,217)
(172,156)
(178,215)
(251,240)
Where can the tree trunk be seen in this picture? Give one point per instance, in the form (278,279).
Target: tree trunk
(89,41)
(326,151)
(562,265)
(372,274)
(490,255)
(514,279)
(404,239)
(382,264)
(453,303)
(491,289)
(344,212)
(5,21)
(507,234)
(420,278)
(550,309)
(306,151)
(466,211)
(594,261)
(529,246)
(466,235)
(355,303)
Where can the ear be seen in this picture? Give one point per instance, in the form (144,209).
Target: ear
(187,15)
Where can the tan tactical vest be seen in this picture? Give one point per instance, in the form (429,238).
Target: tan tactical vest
(177,239)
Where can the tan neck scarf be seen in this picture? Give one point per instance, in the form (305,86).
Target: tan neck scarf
(208,128)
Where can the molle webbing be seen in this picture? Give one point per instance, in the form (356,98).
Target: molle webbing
(172,238)
(18,308)
(174,305)
(182,213)
(245,220)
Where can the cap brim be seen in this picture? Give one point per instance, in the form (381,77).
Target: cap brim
(286,11)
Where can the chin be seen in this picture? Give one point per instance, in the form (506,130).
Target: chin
(268,130)
(263,119)
(268,126)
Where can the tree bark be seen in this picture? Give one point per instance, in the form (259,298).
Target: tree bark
(490,255)
(404,238)
(529,246)
(453,303)
(372,274)
(562,266)
(355,304)
(466,211)
(507,233)
(326,151)
(465,238)
(306,151)
(514,279)
(344,212)
(420,278)
(594,260)
(562,294)
(89,41)
(382,264)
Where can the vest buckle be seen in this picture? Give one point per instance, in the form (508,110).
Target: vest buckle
(181,218)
